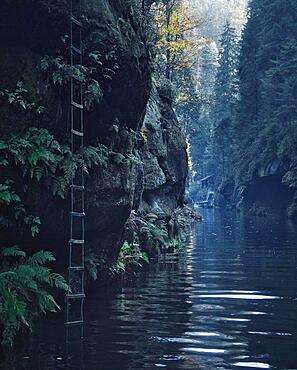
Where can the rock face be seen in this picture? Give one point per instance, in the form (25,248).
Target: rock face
(163,154)
(147,163)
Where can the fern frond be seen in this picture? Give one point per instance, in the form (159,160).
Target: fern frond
(39,172)
(41,257)
(59,281)
(47,302)
(23,290)
(13,252)
(69,168)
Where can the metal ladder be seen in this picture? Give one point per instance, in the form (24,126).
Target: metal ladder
(76,268)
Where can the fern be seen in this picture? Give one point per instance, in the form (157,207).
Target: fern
(130,255)
(60,72)
(158,233)
(95,156)
(7,195)
(69,168)
(13,252)
(40,258)
(24,290)
(59,281)
(40,156)
(39,172)
(11,201)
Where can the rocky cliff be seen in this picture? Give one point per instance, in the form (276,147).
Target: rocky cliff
(145,165)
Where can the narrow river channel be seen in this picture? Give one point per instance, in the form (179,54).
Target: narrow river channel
(230,303)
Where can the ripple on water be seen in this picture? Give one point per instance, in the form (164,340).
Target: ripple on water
(237,296)
(254,365)
(205,350)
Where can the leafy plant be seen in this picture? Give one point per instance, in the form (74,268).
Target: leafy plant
(60,72)
(24,290)
(158,233)
(40,156)
(12,201)
(7,195)
(130,255)
(94,156)
(19,98)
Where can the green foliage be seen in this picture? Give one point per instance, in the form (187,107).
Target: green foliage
(130,256)
(254,119)
(11,206)
(25,285)
(158,234)
(7,195)
(266,123)
(146,231)
(60,72)
(25,282)
(169,232)
(176,46)
(40,156)
(95,156)
(222,111)
(19,98)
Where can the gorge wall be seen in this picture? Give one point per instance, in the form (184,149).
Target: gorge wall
(145,166)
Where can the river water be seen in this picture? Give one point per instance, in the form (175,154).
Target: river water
(229,303)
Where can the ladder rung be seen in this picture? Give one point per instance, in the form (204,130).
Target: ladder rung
(76,241)
(78,51)
(75,296)
(77,187)
(78,23)
(77,133)
(78,214)
(77,322)
(76,268)
(76,105)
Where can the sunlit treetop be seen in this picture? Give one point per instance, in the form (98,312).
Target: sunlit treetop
(177,40)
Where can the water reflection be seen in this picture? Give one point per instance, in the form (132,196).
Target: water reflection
(230,304)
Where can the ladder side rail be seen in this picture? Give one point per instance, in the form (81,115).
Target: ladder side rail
(76,245)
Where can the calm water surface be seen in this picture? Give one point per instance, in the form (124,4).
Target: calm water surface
(231,303)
